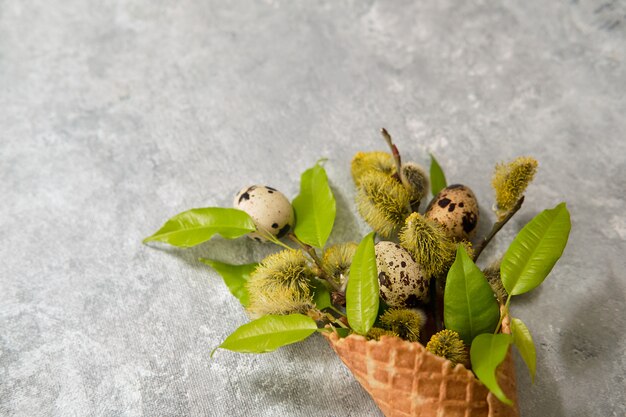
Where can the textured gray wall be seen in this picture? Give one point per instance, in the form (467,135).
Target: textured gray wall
(115,115)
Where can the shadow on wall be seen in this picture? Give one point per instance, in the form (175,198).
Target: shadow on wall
(591,341)
(238,251)
(543,397)
(311,378)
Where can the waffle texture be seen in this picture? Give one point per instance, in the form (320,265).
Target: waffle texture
(404,379)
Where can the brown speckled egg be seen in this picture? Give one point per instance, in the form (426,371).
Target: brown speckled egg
(268,207)
(456,209)
(401,280)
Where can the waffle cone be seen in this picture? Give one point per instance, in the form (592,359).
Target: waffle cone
(404,379)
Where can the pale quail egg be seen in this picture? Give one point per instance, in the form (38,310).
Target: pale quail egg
(268,207)
(401,280)
(456,209)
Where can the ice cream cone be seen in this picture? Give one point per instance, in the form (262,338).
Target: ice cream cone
(404,379)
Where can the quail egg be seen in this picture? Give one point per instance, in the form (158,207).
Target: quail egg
(401,280)
(456,209)
(270,210)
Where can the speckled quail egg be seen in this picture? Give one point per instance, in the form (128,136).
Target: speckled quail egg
(401,280)
(456,209)
(268,207)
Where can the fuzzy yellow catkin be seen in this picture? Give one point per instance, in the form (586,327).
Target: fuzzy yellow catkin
(337,260)
(449,345)
(510,181)
(281,285)
(469,248)
(371,162)
(428,243)
(383,202)
(417,180)
(376,333)
(406,323)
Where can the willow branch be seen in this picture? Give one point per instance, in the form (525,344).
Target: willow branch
(394,151)
(309,250)
(496,228)
(398,161)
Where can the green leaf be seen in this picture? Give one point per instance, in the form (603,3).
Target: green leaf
(487,352)
(269,333)
(321,294)
(469,305)
(535,250)
(437,177)
(195,226)
(524,343)
(362,292)
(315,207)
(342,332)
(235,277)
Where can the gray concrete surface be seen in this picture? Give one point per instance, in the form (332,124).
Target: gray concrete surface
(115,115)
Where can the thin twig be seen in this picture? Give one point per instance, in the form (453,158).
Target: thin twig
(496,228)
(309,250)
(269,236)
(394,151)
(337,311)
(339,322)
(504,311)
(398,160)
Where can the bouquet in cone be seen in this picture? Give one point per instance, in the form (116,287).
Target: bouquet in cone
(423,328)
(405,379)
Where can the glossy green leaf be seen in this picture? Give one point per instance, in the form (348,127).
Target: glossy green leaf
(487,352)
(195,226)
(235,277)
(315,207)
(523,341)
(269,333)
(469,305)
(362,292)
(321,294)
(437,177)
(535,250)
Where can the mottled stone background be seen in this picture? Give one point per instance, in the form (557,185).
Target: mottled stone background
(116,114)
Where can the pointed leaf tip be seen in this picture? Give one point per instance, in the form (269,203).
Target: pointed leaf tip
(235,277)
(198,225)
(523,341)
(534,251)
(437,177)
(270,332)
(315,207)
(486,353)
